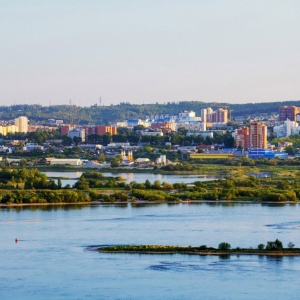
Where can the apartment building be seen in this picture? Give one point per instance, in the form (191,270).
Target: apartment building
(242,137)
(288,112)
(258,135)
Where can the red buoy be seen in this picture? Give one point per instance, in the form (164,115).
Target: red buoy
(16,240)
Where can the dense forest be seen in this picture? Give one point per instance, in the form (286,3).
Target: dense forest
(106,114)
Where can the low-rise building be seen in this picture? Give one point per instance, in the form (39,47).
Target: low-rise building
(66,161)
(93,147)
(32,146)
(152,133)
(195,126)
(142,160)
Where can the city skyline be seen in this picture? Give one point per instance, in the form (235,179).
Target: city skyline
(145,52)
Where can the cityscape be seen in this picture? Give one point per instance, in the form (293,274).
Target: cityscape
(214,132)
(149,150)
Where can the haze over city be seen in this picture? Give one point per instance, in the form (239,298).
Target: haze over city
(148,51)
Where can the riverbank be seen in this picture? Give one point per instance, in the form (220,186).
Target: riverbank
(142,202)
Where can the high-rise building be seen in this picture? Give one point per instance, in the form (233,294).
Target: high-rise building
(221,115)
(258,136)
(288,112)
(204,115)
(209,115)
(22,124)
(218,116)
(242,137)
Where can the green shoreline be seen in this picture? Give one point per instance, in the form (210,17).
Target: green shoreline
(142,202)
(208,251)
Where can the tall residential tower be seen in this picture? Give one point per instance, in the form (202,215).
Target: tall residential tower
(258,136)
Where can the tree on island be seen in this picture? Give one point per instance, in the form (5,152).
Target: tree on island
(276,245)
(261,247)
(224,246)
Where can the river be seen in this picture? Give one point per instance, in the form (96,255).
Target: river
(51,260)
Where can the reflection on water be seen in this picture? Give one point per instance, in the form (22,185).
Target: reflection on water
(138,177)
(57,207)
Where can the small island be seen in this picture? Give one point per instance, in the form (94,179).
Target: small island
(272,248)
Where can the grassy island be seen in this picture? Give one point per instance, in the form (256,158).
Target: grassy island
(273,248)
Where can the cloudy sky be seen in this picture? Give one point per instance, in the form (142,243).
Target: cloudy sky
(147,51)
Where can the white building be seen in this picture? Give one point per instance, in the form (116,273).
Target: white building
(32,146)
(192,126)
(286,129)
(187,114)
(162,160)
(202,133)
(4,149)
(142,160)
(112,145)
(78,133)
(204,115)
(90,146)
(66,161)
(152,133)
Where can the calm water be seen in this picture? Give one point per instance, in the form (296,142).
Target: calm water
(51,261)
(138,177)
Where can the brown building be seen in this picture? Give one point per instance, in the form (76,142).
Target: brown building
(100,129)
(89,130)
(258,136)
(163,126)
(288,112)
(65,129)
(243,137)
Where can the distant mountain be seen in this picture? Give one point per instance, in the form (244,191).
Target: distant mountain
(107,114)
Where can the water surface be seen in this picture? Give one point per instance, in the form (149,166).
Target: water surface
(51,261)
(138,177)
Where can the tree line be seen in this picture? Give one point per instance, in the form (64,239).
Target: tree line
(96,114)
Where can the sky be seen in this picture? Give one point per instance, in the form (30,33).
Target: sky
(148,51)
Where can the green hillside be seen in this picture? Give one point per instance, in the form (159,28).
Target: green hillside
(106,114)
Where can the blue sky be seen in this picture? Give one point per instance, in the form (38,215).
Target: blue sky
(146,51)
